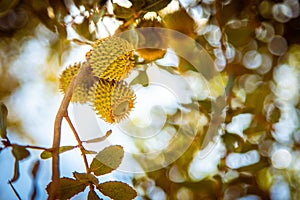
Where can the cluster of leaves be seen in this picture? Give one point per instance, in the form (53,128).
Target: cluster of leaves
(104,162)
(20,152)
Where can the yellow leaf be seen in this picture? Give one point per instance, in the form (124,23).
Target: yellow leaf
(48,154)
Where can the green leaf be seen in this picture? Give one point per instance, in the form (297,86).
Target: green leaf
(99,139)
(180,21)
(20,152)
(122,12)
(154,5)
(57,48)
(90,4)
(68,188)
(138,4)
(117,190)
(273,115)
(93,195)
(255,100)
(85,178)
(98,15)
(48,154)
(34,186)
(83,30)
(107,160)
(239,36)
(234,143)
(35,169)
(149,5)
(142,78)
(89,151)
(264,179)
(16,172)
(3,120)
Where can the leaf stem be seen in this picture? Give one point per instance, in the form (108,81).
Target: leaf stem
(35,147)
(78,141)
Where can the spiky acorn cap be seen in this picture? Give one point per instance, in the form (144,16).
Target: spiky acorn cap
(111,58)
(81,92)
(113,100)
(67,75)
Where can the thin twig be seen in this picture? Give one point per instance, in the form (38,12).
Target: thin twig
(80,42)
(36,147)
(7,143)
(14,189)
(78,141)
(54,191)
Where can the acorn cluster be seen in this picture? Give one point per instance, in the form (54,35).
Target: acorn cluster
(109,61)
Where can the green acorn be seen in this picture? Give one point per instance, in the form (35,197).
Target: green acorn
(111,58)
(81,92)
(67,75)
(112,100)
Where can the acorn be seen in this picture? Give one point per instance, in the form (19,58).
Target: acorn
(112,100)
(67,75)
(111,58)
(81,92)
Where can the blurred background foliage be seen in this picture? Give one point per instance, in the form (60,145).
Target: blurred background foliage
(255,45)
